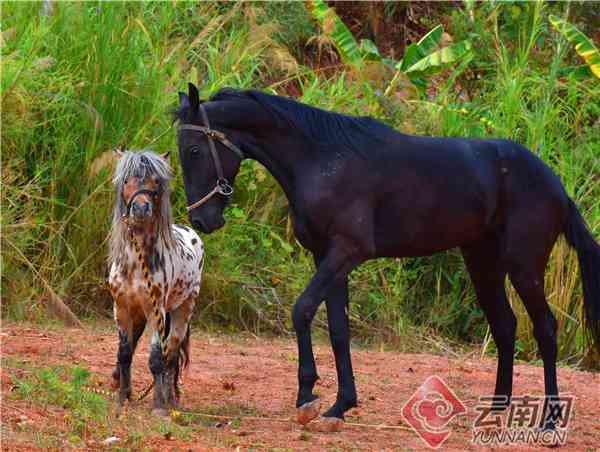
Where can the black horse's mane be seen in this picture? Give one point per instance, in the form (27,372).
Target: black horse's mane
(355,133)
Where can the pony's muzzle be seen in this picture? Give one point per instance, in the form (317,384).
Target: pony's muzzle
(141,210)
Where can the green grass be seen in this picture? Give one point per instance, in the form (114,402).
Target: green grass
(62,394)
(97,75)
(65,389)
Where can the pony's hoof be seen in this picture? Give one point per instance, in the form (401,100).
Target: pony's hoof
(329,424)
(308,411)
(162,412)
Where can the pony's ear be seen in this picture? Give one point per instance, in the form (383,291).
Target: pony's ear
(165,156)
(184,100)
(118,153)
(194,97)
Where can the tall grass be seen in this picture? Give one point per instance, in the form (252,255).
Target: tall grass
(96,75)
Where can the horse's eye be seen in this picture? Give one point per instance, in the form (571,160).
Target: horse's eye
(195,149)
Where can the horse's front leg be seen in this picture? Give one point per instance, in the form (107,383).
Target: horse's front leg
(130,330)
(179,342)
(165,365)
(333,268)
(163,371)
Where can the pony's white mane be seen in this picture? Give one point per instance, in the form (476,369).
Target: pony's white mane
(140,164)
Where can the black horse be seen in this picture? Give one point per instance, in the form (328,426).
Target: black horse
(359,190)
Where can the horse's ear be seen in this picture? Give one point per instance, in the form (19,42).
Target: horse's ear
(165,156)
(118,153)
(194,97)
(184,100)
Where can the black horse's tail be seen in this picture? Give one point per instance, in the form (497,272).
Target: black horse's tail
(588,252)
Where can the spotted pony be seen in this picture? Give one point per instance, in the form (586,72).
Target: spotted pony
(155,274)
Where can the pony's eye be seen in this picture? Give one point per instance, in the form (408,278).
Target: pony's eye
(195,149)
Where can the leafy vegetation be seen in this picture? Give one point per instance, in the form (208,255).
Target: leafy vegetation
(64,388)
(583,45)
(76,416)
(91,76)
(420,59)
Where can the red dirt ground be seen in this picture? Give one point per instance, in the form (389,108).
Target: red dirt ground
(258,376)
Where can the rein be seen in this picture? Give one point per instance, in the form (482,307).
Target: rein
(156,311)
(160,321)
(222,187)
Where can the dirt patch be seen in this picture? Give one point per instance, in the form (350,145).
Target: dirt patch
(253,380)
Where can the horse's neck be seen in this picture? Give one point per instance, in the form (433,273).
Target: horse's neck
(282,161)
(280,151)
(149,244)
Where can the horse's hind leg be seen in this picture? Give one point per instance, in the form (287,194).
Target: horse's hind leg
(526,272)
(486,266)
(166,369)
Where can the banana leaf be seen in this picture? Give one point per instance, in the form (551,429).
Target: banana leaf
(421,49)
(436,60)
(332,26)
(584,46)
(369,50)
(581,72)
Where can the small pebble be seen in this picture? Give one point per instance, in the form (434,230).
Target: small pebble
(111,440)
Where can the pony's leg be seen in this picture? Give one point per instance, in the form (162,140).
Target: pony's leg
(131,327)
(165,369)
(335,266)
(487,271)
(158,368)
(339,334)
(179,346)
(137,332)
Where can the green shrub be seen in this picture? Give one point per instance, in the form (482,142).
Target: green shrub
(96,75)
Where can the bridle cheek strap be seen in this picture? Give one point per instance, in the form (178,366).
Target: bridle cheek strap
(222,187)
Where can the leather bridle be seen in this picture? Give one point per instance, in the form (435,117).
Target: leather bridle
(222,187)
(153,193)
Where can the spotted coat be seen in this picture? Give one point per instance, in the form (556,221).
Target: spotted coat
(175,273)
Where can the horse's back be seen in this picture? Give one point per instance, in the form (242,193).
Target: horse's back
(191,239)
(446,192)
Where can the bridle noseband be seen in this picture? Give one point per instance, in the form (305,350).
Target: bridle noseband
(142,191)
(222,187)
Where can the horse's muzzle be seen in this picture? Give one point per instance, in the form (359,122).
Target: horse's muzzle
(206,227)
(141,211)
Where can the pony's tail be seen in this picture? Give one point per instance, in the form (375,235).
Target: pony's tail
(183,360)
(184,350)
(588,252)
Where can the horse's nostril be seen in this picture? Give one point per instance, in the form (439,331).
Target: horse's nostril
(140,210)
(199,225)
